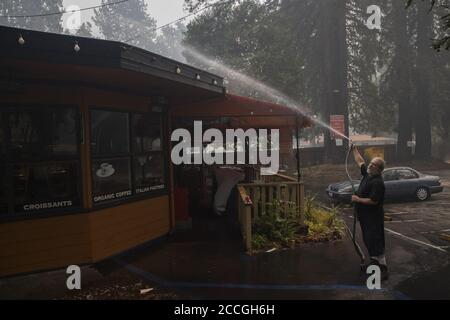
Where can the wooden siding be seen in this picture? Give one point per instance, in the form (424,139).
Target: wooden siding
(40,244)
(119,228)
(57,242)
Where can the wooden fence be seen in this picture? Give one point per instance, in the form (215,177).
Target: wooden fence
(254,198)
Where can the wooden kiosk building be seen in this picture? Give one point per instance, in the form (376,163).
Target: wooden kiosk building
(85,172)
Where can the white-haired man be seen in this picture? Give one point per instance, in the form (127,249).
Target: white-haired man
(369,208)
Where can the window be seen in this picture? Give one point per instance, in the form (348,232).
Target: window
(146,132)
(109,133)
(42,132)
(45,185)
(3,195)
(111,173)
(148,158)
(111,179)
(390,175)
(405,174)
(127,155)
(2,137)
(41,168)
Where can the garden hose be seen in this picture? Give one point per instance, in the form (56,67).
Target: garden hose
(353,234)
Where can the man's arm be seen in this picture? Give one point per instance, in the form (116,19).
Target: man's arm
(375,196)
(358,158)
(366,201)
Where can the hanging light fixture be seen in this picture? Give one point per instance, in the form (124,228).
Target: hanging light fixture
(76,47)
(197,76)
(178,70)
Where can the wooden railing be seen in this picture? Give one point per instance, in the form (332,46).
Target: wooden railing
(255,197)
(245,217)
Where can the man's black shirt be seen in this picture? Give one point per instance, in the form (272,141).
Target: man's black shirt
(371,187)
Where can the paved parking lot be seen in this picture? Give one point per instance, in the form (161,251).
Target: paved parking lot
(424,221)
(418,244)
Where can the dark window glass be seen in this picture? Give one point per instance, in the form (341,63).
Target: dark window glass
(406,174)
(149,173)
(111,179)
(3,195)
(146,132)
(42,132)
(390,175)
(117,171)
(148,160)
(45,186)
(110,133)
(3,126)
(40,158)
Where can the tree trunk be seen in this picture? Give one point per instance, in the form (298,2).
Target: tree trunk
(336,59)
(422,82)
(402,71)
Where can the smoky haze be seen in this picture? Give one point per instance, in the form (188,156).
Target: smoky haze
(383,67)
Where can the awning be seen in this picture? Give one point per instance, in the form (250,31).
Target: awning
(243,112)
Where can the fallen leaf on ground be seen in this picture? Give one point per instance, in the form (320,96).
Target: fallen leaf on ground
(144,291)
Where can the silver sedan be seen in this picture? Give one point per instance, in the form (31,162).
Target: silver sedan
(400,182)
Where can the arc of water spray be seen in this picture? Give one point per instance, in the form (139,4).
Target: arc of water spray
(251,82)
(263,88)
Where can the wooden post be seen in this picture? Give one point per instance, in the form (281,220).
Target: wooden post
(256,200)
(298,149)
(168,142)
(301,200)
(263,200)
(248,228)
(85,150)
(286,199)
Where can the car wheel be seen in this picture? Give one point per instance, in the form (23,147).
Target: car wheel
(422,194)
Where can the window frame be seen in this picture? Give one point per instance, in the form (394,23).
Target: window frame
(44,158)
(131,154)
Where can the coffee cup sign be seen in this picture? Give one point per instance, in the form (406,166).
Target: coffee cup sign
(106,167)
(106,170)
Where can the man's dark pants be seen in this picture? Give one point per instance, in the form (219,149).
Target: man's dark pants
(372,226)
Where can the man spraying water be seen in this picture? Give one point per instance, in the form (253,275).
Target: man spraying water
(369,209)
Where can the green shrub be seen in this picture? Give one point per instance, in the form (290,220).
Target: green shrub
(278,227)
(323,223)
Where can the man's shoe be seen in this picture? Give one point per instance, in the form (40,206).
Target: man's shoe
(383,269)
(384,272)
(368,264)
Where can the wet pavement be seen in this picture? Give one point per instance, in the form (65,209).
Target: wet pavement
(216,268)
(420,250)
(208,262)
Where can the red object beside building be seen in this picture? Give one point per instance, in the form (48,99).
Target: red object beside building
(181,204)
